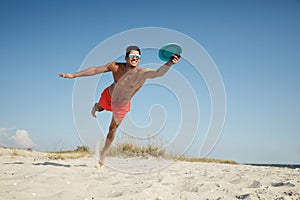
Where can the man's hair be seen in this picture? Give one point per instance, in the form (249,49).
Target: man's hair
(130,48)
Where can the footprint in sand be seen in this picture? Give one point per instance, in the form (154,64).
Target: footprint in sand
(255,184)
(114,194)
(189,177)
(116,183)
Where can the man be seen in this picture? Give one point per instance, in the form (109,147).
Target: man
(128,79)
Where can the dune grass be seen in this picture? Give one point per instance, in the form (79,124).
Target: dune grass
(124,146)
(129,146)
(210,160)
(14,152)
(11,151)
(79,152)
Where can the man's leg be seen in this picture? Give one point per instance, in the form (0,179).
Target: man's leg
(109,139)
(96,108)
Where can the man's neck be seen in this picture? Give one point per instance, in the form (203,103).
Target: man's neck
(129,66)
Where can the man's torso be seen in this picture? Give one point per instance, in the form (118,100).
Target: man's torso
(127,81)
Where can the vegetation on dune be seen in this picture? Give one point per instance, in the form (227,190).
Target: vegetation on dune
(128,146)
(125,146)
(80,151)
(211,160)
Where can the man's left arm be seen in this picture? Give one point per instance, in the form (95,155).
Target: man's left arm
(163,69)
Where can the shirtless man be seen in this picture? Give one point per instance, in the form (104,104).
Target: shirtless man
(128,79)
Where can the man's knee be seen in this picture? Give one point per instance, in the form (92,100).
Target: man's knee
(112,132)
(113,128)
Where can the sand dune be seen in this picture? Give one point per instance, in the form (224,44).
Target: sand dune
(32,175)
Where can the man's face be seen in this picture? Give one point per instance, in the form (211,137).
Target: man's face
(133,58)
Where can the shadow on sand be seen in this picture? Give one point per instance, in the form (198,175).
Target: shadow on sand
(14,163)
(52,164)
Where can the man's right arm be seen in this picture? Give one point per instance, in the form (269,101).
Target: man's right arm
(89,71)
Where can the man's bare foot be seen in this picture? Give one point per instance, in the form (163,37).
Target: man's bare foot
(100,164)
(94,110)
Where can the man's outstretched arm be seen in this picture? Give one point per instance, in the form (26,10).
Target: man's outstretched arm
(89,71)
(163,69)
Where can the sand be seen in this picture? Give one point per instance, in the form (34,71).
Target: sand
(32,175)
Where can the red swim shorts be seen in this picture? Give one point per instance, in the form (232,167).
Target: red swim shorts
(120,110)
(105,100)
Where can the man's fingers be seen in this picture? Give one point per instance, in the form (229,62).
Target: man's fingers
(176,56)
(63,75)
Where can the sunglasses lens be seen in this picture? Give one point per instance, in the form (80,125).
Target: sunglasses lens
(132,56)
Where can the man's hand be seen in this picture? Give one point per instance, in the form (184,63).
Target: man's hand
(67,75)
(174,59)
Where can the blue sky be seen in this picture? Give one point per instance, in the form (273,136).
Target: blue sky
(254,44)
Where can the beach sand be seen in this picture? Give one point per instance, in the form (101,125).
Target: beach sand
(31,175)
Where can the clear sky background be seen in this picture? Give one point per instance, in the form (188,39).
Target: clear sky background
(255,45)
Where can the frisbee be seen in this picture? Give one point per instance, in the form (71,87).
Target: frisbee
(165,53)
